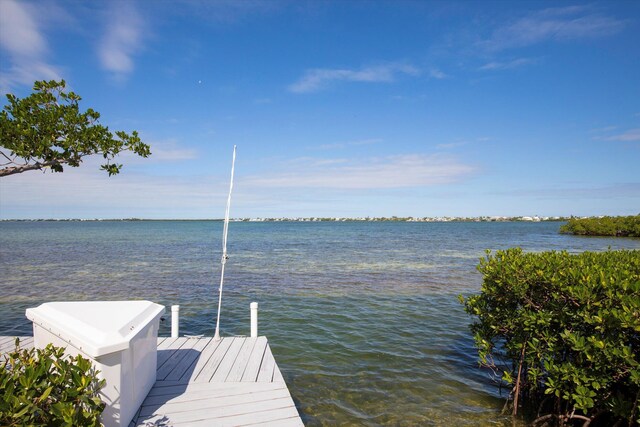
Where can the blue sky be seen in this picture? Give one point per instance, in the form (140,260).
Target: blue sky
(349,108)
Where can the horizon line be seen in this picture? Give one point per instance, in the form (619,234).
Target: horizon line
(329,218)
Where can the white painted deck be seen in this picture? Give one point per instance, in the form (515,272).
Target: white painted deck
(202,382)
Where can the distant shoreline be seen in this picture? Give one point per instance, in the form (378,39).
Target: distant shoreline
(317,219)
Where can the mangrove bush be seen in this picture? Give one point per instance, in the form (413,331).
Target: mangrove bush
(43,387)
(620,226)
(562,331)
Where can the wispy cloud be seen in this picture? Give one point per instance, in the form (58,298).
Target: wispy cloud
(400,171)
(318,78)
(86,192)
(169,150)
(563,23)
(452,144)
(613,191)
(25,46)
(341,145)
(630,135)
(603,129)
(437,74)
(461,143)
(505,65)
(123,37)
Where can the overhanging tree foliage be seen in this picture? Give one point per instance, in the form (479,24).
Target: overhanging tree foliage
(47,130)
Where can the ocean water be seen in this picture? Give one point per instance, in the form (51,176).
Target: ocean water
(363,318)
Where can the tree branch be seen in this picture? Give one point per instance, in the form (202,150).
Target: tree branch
(542,418)
(7,157)
(587,420)
(34,166)
(517,388)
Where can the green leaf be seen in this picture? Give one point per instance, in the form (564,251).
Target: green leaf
(46,393)
(23,411)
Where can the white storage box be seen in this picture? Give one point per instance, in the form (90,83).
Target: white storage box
(120,337)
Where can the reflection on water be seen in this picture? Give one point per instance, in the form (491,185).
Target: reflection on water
(362,317)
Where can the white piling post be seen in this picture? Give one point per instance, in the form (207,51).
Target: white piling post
(175,321)
(254,319)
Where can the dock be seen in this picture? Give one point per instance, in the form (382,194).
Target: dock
(201,382)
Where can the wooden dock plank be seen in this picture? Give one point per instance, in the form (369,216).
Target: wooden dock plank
(253,367)
(277,375)
(201,382)
(175,359)
(251,408)
(272,412)
(190,402)
(164,343)
(229,359)
(7,347)
(5,340)
(166,353)
(237,369)
(201,362)
(8,343)
(265,374)
(275,418)
(265,411)
(293,421)
(214,361)
(189,359)
(199,390)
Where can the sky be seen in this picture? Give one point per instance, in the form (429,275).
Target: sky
(338,108)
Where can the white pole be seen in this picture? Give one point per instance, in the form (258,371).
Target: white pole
(175,321)
(254,319)
(225,230)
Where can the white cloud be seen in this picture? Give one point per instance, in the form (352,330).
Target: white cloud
(563,23)
(19,32)
(316,79)
(400,171)
(437,74)
(26,47)
(461,143)
(162,151)
(122,39)
(170,151)
(630,135)
(86,192)
(173,154)
(495,65)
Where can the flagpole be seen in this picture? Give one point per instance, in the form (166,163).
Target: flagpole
(225,230)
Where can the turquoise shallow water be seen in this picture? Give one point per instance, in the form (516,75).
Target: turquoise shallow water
(363,318)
